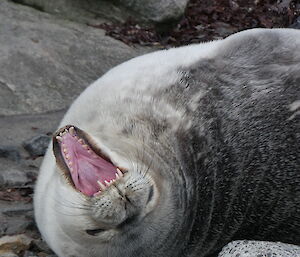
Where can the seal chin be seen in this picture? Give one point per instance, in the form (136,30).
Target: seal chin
(116,196)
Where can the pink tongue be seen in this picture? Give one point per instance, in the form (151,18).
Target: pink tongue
(86,167)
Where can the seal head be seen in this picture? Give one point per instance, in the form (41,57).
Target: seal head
(90,171)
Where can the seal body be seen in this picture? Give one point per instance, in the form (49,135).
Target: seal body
(214,127)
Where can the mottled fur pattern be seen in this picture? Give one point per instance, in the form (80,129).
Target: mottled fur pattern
(215,126)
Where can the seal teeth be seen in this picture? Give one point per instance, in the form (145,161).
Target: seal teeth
(58,138)
(106,182)
(81,141)
(119,173)
(117,176)
(102,187)
(72,131)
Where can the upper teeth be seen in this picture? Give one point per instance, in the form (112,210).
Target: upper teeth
(58,138)
(72,131)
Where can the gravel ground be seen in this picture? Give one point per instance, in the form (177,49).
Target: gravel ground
(210,19)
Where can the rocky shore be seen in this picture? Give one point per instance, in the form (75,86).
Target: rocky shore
(50,51)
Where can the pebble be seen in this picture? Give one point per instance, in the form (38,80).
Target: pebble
(296,24)
(37,146)
(223,29)
(42,246)
(14,244)
(10,152)
(12,177)
(29,254)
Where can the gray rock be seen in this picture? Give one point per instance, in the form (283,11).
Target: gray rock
(93,11)
(8,254)
(37,146)
(150,11)
(245,248)
(12,177)
(14,244)
(15,217)
(10,152)
(41,246)
(224,29)
(27,126)
(46,62)
(29,254)
(296,24)
(156,11)
(15,175)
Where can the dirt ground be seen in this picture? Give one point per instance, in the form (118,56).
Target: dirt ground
(210,19)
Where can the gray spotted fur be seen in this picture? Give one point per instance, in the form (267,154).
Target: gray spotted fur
(241,153)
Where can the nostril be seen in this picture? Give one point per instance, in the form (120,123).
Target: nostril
(94,232)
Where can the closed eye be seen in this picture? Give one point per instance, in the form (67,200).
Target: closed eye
(150,194)
(94,232)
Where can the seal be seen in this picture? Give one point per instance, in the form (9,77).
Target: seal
(179,152)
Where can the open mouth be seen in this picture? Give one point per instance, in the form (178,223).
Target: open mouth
(85,166)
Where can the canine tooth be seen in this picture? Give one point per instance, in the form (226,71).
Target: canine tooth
(101,185)
(61,134)
(58,138)
(107,183)
(98,193)
(120,173)
(72,131)
(117,176)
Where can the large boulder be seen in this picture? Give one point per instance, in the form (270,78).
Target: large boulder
(46,62)
(149,11)
(156,11)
